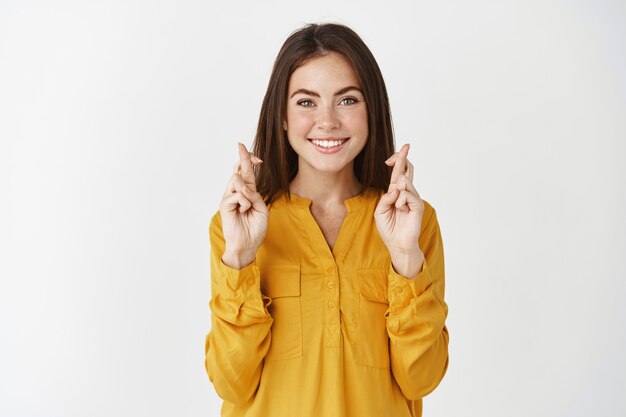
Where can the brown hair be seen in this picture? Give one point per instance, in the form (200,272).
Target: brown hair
(271,145)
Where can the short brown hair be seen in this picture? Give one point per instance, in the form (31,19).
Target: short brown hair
(271,145)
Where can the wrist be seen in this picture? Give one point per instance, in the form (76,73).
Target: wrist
(408,263)
(237,260)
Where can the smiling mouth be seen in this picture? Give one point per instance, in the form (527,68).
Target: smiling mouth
(329,143)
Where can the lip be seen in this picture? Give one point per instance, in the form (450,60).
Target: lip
(334,149)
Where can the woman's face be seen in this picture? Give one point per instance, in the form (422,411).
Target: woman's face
(326,114)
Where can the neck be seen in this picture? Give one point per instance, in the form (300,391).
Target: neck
(326,188)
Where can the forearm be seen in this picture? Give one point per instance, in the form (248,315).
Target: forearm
(234,356)
(417,314)
(419,351)
(240,334)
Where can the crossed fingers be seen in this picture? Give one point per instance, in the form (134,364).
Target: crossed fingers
(243,172)
(245,168)
(241,190)
(402,174)
(402,178)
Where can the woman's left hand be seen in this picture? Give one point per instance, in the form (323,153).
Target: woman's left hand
(399,216)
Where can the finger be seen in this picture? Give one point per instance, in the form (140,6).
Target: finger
(404,183)
(247,171)
(255,199)
(400,203)
(253,158)
(389,161)
(414,202)
(235,184)
(387,201)
(399,164)
(409,201)
(245,206)
(409,170)
(401,184)
(235,202)
(393,157)
(238,182)
(392,161)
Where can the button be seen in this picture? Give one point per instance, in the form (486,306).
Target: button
(331,304)
(250,281)
(398,290)
(330,284)
(330,269)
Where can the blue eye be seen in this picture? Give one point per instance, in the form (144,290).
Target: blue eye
(305,103)
(351,100)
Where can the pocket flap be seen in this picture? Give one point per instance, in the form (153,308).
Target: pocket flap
(373,284)
(281,281)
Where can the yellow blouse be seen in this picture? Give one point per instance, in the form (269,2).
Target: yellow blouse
(306,331)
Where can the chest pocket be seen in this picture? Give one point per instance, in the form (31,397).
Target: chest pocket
(372,345)
(282,284)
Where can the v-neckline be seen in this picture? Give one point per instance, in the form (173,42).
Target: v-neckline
(354,206)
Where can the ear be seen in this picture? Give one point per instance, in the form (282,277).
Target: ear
(284,125)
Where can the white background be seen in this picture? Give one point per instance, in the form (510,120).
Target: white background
(118,126)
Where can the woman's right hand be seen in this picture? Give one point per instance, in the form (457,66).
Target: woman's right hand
(244,213)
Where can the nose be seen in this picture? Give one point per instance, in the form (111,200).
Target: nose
(328,118)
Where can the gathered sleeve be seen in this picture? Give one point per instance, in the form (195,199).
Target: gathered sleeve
(416,319)
(240,325)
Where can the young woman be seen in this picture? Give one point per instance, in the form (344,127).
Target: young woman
(327,270)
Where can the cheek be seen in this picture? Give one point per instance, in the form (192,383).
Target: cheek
(358,122)
(299,122)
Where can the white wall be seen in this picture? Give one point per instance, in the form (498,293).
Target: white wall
(118,130)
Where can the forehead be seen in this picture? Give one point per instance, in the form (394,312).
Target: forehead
(324,73)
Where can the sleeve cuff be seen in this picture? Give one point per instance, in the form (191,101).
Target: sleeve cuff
(240,284)
(402,289)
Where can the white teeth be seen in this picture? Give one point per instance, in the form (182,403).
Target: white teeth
(328,143)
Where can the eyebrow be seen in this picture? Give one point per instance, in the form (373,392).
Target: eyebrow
(315,94)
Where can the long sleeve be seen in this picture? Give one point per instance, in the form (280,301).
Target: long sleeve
(240,325)
(416,319)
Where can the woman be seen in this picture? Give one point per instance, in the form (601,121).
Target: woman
(327,266)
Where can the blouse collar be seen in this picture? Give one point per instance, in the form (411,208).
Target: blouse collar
(352,203)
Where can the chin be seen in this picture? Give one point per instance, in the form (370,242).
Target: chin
(327,168)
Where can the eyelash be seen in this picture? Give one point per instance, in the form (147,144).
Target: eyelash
(354,101)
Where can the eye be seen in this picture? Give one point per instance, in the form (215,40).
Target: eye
(349,100)
(305,103)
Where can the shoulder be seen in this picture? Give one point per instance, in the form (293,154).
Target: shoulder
(429,210)
(215,224)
